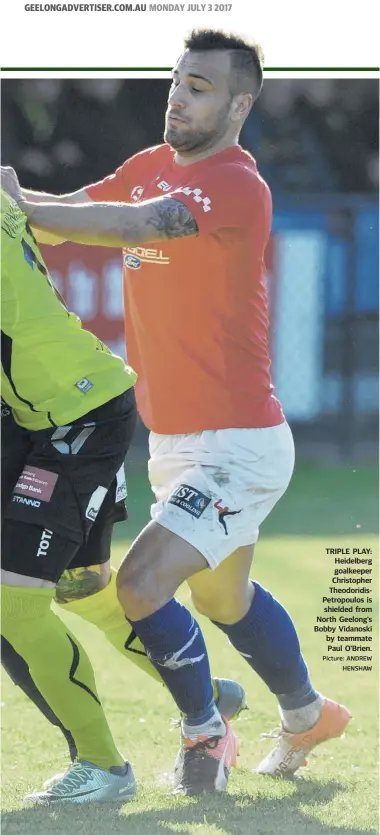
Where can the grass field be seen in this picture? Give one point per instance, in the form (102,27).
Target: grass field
(337,794)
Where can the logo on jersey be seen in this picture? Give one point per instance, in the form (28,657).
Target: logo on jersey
(132,262)
(24,500)
(36,482)
(190,500)
(121,485)
(137,255)
(222,513)
(44,542)
(84,385)
(137,193)
(198,197)
(164,186)
(95,503)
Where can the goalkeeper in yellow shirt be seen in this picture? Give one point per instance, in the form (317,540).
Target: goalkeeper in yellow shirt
(67,418)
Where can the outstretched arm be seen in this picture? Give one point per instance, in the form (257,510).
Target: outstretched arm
(79,196)
(44,237)
(10,183)
(114,224)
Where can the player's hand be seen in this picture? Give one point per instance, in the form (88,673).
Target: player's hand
(10,183)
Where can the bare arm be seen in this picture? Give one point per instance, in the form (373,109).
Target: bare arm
(44,237)
(79,196)
(114,224)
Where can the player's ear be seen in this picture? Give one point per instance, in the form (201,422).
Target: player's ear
(241,106)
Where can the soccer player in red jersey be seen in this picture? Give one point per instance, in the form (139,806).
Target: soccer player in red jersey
(193,217)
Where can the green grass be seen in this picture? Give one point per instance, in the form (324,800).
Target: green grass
(336,795)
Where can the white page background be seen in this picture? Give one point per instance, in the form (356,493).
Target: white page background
(329,33)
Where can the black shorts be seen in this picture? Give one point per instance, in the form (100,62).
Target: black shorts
(63,488)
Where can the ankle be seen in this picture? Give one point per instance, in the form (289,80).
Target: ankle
(213,726)
(302,718)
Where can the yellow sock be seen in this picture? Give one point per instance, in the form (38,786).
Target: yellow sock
(104,611)
(60,669)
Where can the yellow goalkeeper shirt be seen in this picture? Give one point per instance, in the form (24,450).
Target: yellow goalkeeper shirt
(52,370)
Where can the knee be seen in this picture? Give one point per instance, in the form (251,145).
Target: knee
(145,582)
(77,583)
(26,617)
(137,587)
(153,569)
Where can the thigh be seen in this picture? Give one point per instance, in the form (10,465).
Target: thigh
(89,571)
(224,594)
(70,470)
(230,577)
(31,551)
(96,550)
(157,563)
(229,482)
(46,555)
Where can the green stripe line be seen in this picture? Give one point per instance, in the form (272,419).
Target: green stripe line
(168,69)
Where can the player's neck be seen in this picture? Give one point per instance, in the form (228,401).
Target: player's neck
(188,159)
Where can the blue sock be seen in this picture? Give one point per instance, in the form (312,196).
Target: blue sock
(267,639)
(175,645)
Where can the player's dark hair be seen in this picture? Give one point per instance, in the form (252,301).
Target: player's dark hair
(247,59)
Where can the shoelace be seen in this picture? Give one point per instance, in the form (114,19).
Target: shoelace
(75,777)
(204,745)
(48,784)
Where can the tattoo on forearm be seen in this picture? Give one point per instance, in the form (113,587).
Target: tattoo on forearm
(173,219)
(80,582)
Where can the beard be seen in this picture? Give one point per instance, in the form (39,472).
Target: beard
(187,139)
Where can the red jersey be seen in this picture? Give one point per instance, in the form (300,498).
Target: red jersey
(196,307)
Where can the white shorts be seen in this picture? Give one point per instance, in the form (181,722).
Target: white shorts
(214,488)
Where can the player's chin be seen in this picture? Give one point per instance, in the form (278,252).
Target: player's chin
(175,133)
(170,134)
(176,140)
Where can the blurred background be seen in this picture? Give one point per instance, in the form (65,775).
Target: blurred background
(316,143)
